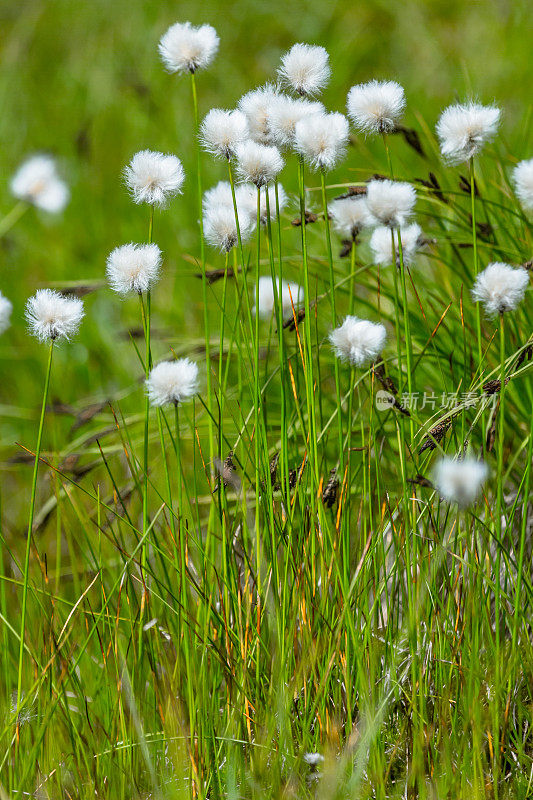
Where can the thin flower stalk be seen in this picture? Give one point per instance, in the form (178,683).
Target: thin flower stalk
(12,217)
(30,528)
(202,263)
(309,382)
(333,315)
(499,543)
(478,305)
(284,454)
(257,407)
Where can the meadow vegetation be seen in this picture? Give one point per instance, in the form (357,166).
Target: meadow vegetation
(266,476)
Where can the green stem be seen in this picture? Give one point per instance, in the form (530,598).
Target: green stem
(499,528)
(202,260)
(13,216)
(30,526)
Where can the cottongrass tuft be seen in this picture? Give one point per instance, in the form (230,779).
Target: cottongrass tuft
(460,480)
(188,48)
(255,105)
(282,115)
(52,316)
(133,268)
(222,131)
(463,129)
(305,69)
(390,202)
(523,183)
(350,215)
(313,759)
(6,307)
(172,382)
(377,106)
(321,139)
(358,341)
(36,181)
(291,295)
(381,244)
(220,227)
(258,163)
(154,177)
(500,288)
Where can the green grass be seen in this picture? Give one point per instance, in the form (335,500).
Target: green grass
(203,647)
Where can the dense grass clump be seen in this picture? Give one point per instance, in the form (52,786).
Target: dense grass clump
(266,516)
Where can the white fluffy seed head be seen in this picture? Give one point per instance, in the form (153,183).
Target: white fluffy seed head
(350,215)
(220,228)
(463,129)
(282,115)
(291,295)
(154,177)
(381,244)
(258,163)
(321,139)
(36,181)
(500,288)
(460,481)
(172,382)
(255,105)
(313,759)
(358,341)
(377,106)
(6,308)
(390,202)
(523,183)
(133,268)
(188,48)
(52,316)
(305,69)
(222,131)
(219,196)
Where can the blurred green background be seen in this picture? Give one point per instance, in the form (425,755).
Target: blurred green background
(83,81)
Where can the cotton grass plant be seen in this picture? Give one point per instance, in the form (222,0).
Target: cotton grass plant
(297,538)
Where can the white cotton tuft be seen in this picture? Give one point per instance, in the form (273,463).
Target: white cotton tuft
(464,129)
(222,131)
(377,106)
(350,215)
(255,105)
(172,382)
(6,307)
(257,163)
(305,68)
(133,268)
(523,183)
(220,196)
(52,316)
(188,48)
(321,139)
(220,228)
(154,177)
(500,288)
(313,759)
(390,202)
(460,481)
(282,115)
(381,244)
(36,181)
(291,295)
(358,340)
